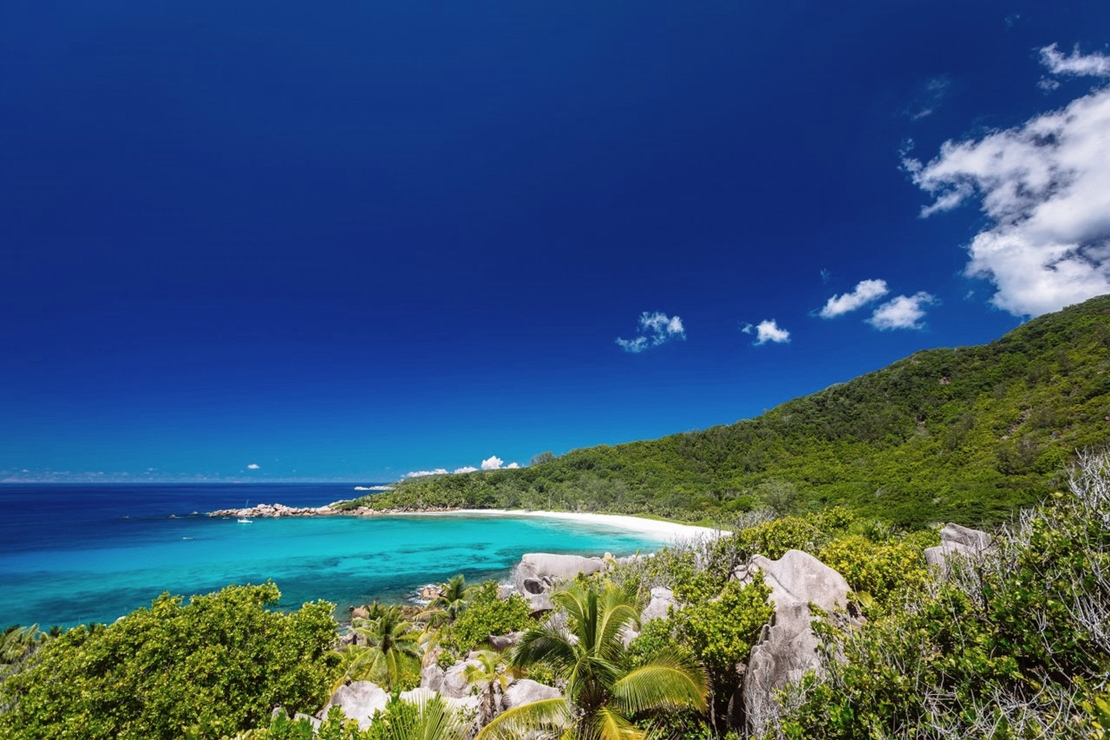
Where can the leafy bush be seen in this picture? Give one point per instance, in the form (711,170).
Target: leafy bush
(487,615)
(880,574)
(210,668)
(1015,644)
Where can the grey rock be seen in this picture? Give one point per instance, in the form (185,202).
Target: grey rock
(431,677)
(957,540)
(787,646)
(662,599)
(455,685)
(526,691)
(420,695)
(537,572)
(541,603)
(504,642)
(359,701)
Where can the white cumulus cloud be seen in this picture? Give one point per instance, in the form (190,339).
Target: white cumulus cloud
(512,466)
(656,328)
(864,292)
(465,469)
(903,312)
(253,466)
(492,463)
(422,473)
(765,331)
(1045,189)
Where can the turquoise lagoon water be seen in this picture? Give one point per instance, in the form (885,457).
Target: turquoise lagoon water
(71,554)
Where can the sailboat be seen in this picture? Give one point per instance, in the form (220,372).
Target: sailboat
(244,519)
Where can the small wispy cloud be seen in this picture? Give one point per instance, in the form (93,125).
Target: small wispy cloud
(766,331)
(1075,64)
(903,312)
(656,328)
(865,292)
(253,466)
(929,97)
(465,469)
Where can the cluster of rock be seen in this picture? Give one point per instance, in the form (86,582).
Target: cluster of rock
(271,511)
(359,700)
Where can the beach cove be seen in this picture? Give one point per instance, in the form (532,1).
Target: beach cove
(72,554)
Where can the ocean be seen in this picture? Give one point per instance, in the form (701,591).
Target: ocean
(79,553)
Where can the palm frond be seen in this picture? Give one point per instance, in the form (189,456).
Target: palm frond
(545,715)
(433,720)
(609,725)
(544,645)
(667,681)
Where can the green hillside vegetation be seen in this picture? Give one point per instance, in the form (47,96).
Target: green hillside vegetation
(967,434)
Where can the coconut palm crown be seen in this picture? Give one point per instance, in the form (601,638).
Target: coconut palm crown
(602,695)
(390,644)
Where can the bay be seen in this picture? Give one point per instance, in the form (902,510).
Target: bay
(79,553)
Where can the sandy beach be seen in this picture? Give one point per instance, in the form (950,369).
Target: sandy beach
(665,532)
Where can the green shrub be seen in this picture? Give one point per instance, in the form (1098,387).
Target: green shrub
(487,615)
(881,574)
(209,668)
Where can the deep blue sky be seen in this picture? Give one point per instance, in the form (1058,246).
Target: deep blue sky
(358,239)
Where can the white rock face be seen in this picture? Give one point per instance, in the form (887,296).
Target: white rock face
(787,647)
(431,677)
(538,573)
(420,695)
(455,685)
(957,540)
(526,691)
(359,701)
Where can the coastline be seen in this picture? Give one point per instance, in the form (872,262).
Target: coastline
(663,531)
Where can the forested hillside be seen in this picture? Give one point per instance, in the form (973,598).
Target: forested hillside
(966,434)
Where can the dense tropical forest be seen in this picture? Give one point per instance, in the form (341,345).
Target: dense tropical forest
(967,434)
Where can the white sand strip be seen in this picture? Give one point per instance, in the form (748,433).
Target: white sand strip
(667,532)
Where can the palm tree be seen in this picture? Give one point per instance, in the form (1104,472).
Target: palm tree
(601,695)
(425,719)
(452,600)
(389,644)
(18,644)
(488,674)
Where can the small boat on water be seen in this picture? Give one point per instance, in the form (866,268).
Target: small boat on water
(245,520)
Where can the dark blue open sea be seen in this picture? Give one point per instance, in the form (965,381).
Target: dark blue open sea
(80,553)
